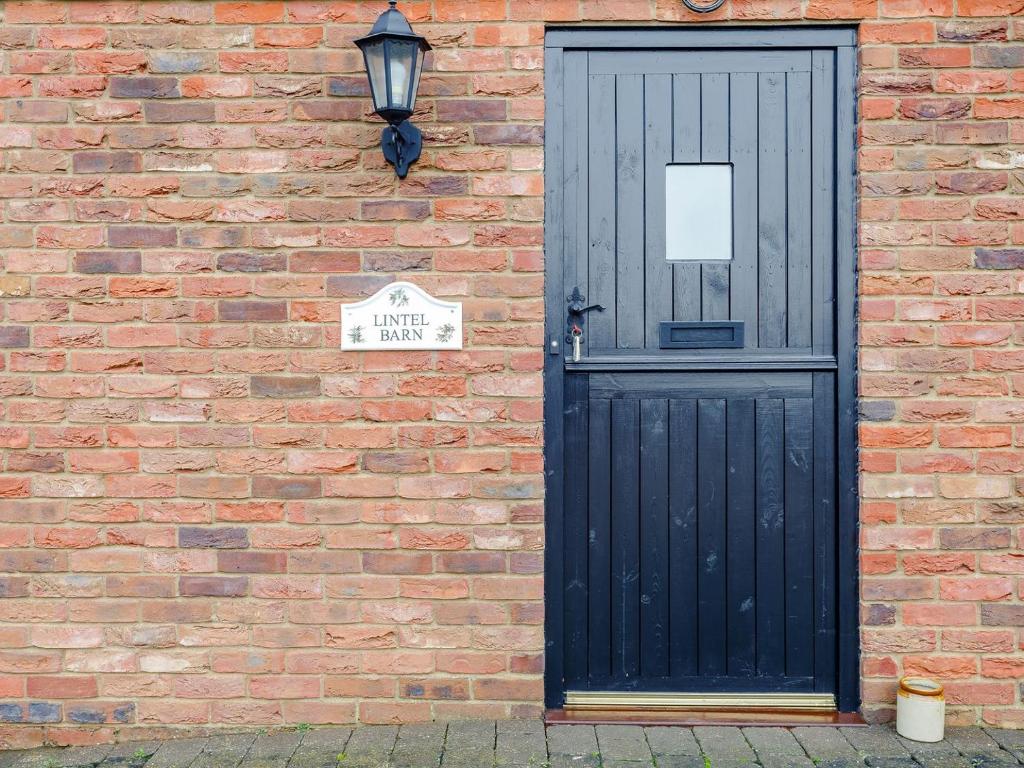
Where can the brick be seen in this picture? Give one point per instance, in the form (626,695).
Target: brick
(235,561)
(248,12)
(179,112)
(219,538)
(145,87)
(108,262)
(253,311)
(213,586)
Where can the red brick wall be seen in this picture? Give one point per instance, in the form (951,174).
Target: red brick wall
(210,515)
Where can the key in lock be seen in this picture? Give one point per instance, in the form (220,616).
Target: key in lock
(577,343)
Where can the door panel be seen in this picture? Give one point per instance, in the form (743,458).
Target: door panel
(698,529)
(761,123)
(693,494)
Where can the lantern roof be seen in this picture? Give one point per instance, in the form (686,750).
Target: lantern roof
(392,23)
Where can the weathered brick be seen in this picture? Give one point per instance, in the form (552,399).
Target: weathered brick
(219,538)
(115,262)
(145,87)
(213,586)
(179,112)
(285,386)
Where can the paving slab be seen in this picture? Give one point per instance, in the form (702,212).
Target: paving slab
(85,757)
(992,760)
(369,747)
(520,744)
(875,740)
(972,741)
(469,744)
(777,748)
(724,746)
(665,741)
(574,761)
(890,762)
(572,740)
(418,746)
(1011,741)
(272,750)
(320,748)
(623,742)
(46,757)
(840,762)
(130,754)
(822,744)
(680,761)
(942,760)
(176,753)
(224,751)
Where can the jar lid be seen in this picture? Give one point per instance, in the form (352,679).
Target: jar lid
(920,686)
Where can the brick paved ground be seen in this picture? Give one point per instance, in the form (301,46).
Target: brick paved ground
(522,744)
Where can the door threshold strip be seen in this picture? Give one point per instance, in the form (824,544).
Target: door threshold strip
(649,700)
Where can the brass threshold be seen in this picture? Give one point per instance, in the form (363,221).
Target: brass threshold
(582,700)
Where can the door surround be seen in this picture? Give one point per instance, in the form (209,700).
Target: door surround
(842,40)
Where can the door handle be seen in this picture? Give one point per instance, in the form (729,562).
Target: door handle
(577,311)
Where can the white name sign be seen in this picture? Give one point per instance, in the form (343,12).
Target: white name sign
(401,316)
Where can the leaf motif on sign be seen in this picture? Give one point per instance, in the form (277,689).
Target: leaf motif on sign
(445,332)
(355,335)
(398,297)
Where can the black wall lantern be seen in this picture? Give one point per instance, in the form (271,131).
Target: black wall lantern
(394,61)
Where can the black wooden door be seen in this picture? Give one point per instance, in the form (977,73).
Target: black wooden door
(695,499)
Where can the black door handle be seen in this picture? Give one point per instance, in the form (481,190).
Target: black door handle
(577,310)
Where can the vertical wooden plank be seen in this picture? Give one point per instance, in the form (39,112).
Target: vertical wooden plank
(629,208)
(554,182)
(798,207)
(799,495)
(575,559)
(743,151)
(711,536)
(770,534)
(654,541)
(822,199)
(685,618)
(625,539)
(824,532)
(771,218)
(599,533)
(601,212)
(686,149)
(714,134)
(741,554)
(576,194)
(657,154)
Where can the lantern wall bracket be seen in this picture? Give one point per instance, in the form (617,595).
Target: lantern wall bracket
(401,145)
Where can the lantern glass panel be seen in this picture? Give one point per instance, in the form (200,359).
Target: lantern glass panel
(401,55)
(417,69)
(374,55)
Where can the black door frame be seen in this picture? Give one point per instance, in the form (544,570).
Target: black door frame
(843,41)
